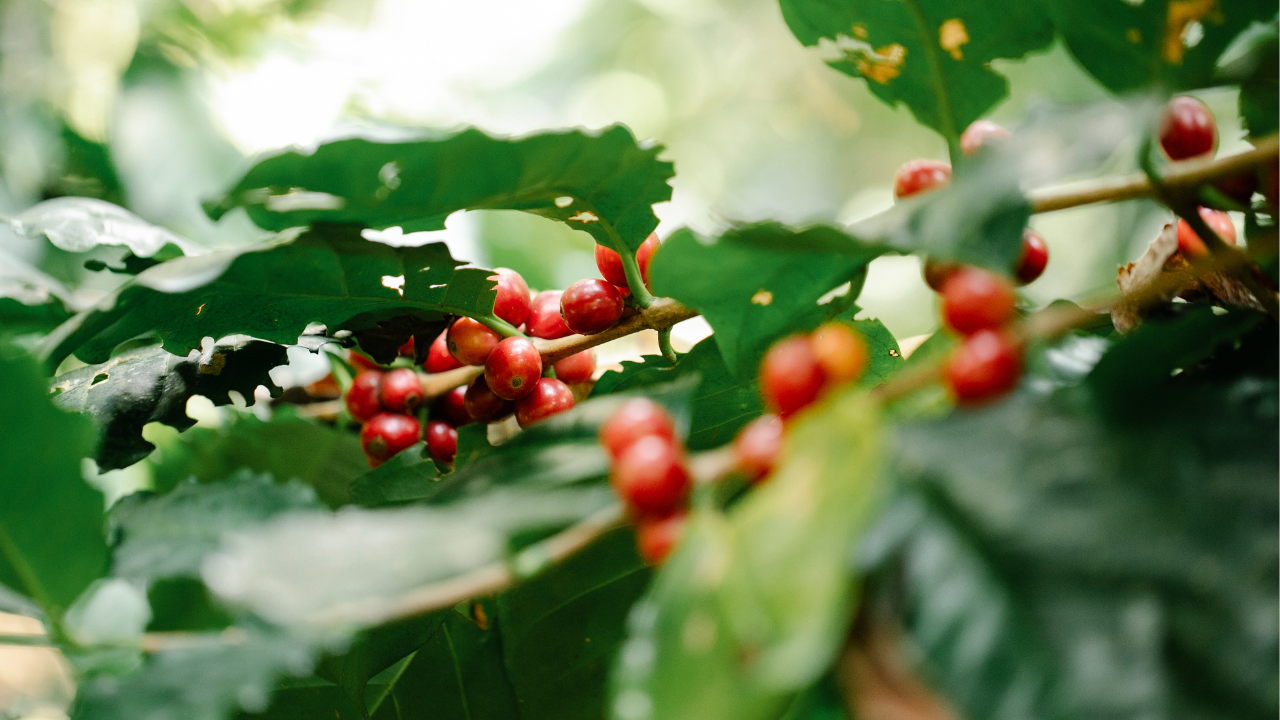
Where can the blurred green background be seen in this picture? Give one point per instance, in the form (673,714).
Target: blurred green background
(156,104)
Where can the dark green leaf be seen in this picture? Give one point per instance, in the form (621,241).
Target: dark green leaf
(587,180)
(756,284)
(931,55)
(183,604)
(314,701)
(407,476)
(375,650)
(822,701)
(286,447)
(273,291)
(170,535)
(30,301)
(1251,61)
(52,543)
(151,385)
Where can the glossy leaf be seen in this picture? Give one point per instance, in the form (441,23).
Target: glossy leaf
(274,291)
(151,385)
(407,476)
(80,224)
(603,183)
(30,300)
(52,543)
(931,55)
(170,535)
(1251,61)
(374,650)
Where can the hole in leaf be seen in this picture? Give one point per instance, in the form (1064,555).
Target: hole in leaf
(98,378)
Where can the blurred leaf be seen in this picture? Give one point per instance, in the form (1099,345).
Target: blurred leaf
(1172,44)
(752,606)
(30,300)
(611,180)
(273,291)
(407,476)
(934,56)
(214,675)
(758,283)
(170,535)
(562,628)
(375,650)
(183,604)
(307,702)
(822,701)
(87,169)
(884,357)
(1061,562)
(151,385)
(80,224)
(1251,61)
(51,537)
(286,447)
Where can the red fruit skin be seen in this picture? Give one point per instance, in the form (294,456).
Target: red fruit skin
(790,376)
(756,448)
(657,537)
(1239,187)
(512,303)
(984,366)
(362,398)
(917,176)
(545,320)
(470,342)
(483,405)
(974,299)
(936,272)
(549,397)
(610,263)
(590,306)
(513,368)
(438,357)
(401,391)
(1187,128)
(451,407)
(577,368)
(387,434)
(360,362)
(406,350)
(634,419)
(651,477)
(979,133)
(442,442)
(1191,245)
(1034,257)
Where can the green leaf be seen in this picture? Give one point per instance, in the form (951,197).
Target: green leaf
(610,183)
(407,476)
(758,283)
(753,605)
(30,301)
(208,679)
(170,535)
(52,543)
(183,604)
(80,224)
(307,702)
(274,290)
(1062,561)
(1172,44)
(286,447)
(1251,61)
(931,55)
(374,650)
(151,385)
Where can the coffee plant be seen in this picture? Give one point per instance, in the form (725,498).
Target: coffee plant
(1053,512)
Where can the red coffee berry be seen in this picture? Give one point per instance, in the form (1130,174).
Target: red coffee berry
(1191,245)
(442,441)
(936,272)
(840,352)
(483,405)
(650,476)
(1187,128)
(974,299)
(1271,184)
(401,391)
(985,365)
(362,398)
(590,306)
(512,303)
(545,320)
(610,263)
(512,368)
(633,420)
(1239,187)
(470,342)
(406,350)
(919,176)
(387,434)
(451,407)
(549,397)
(657,537)
(979,133)
(1035,255)
(438,357)
(790,376)
(577,368)
(361,362)
(756,448)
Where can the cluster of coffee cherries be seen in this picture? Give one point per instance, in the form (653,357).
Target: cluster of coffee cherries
(515,381)
(1187,130)
(649,467)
